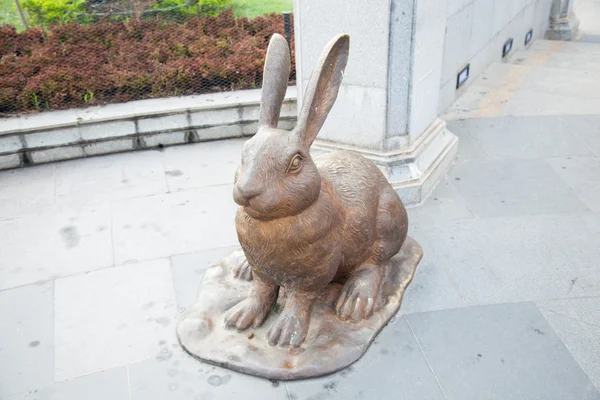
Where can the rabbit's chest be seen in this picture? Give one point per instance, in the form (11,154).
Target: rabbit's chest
(290,248)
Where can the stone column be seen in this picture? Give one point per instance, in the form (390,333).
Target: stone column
(563,22)
(387,106)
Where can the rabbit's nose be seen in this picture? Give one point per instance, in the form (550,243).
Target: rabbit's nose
(243,194)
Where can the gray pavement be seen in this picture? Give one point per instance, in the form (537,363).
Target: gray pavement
(99,256)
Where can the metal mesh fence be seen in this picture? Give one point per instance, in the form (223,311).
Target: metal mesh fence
(61,54)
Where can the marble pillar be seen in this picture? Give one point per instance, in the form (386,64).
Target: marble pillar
(387,106)
(563,22)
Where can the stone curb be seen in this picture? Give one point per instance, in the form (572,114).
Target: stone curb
(146,124)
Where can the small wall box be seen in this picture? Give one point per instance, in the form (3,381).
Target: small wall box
(528,37)
(462,76)
(507,47)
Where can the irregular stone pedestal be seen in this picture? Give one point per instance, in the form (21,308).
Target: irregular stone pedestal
(330,345)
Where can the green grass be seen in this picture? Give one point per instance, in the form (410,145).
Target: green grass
(9,14)
(255,8)
(241,8)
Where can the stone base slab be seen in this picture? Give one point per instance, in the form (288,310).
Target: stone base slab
(330,345)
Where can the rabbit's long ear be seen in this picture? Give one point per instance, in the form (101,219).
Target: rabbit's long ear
(323,87)
(275,81)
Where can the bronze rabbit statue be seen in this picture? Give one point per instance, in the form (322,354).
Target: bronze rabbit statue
(305,223)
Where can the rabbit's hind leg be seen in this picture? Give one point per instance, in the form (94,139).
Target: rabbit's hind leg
(254,309)
(360,294)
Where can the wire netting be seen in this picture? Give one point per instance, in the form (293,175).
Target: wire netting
(92,52)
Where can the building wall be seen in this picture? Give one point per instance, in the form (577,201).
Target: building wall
(476,31)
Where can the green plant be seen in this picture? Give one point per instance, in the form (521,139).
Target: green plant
(51,12)
(72,65)
(9,14)
(36,101)
(88,96)
(213,7)
(184,8)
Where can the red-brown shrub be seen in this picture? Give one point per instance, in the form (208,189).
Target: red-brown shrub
(75,66)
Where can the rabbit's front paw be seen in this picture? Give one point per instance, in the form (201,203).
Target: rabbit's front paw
(359,295)
(289,329)
(243,270)
(248,312)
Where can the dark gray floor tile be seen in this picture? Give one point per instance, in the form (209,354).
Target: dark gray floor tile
(188,270)
(106,385)
(577,322)
(587,128)
(501,260)
(185,378)
(525,137)
(468,149)
(113,317)
(503,352)
(431,288)
(392,368)
(443,203)
(26,338)
(582,174)
(506,187)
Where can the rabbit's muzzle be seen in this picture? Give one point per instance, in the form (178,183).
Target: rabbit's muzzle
(242,195)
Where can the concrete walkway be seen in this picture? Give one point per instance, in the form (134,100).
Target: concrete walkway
(99,256)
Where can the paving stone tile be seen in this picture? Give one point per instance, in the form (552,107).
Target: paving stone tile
(526,102)
(497,260)
(205,219)
(183,377)
(188,271)
(392,368)
(56,243)
(110,384)
(509,187)
(577,322)
(114,317)
(587,128)
(506,351)
(443,203)
(113,177)
(142,228)
(202,164)
(468,149)
(577,237)
(582,174)
(525,137)
(176,223)
(574,61)
(26,338)
(26,191)
(432,287)
(564,82)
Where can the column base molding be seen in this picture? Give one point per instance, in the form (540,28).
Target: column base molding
(563,28)
(413,171)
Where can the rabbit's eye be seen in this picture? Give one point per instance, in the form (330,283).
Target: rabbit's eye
(295,164)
